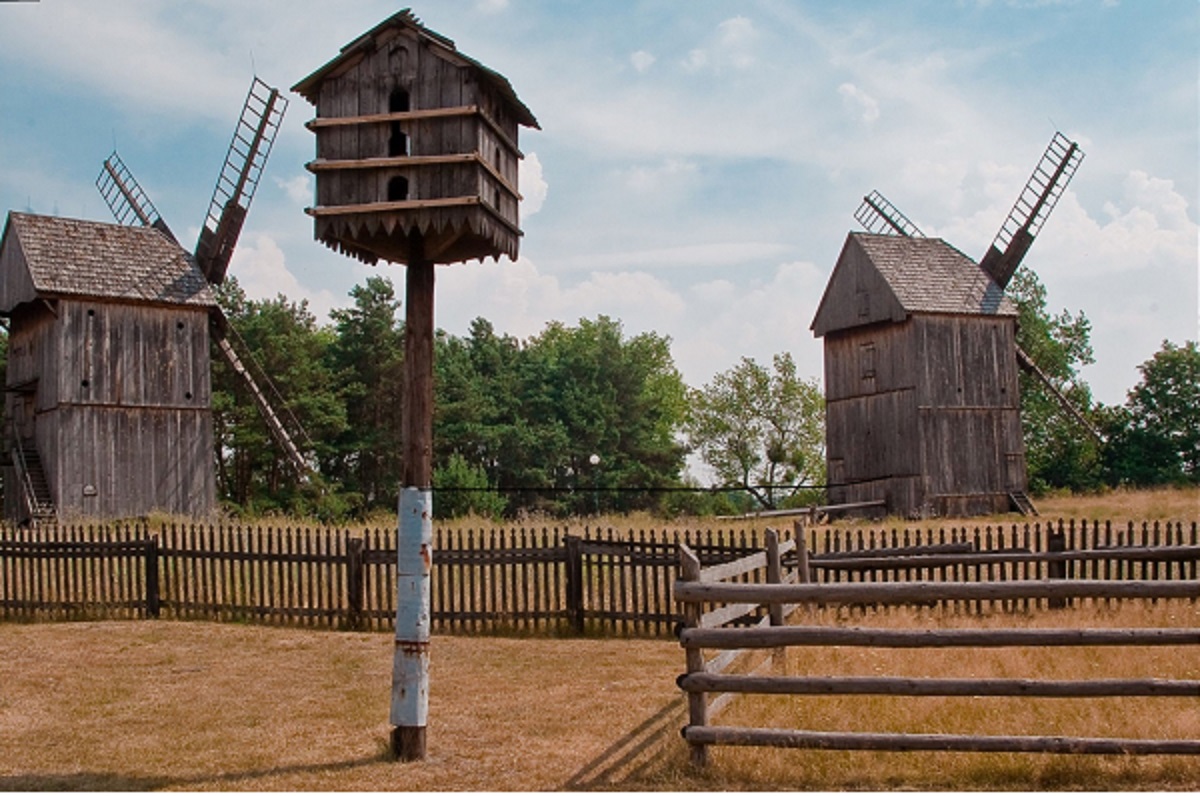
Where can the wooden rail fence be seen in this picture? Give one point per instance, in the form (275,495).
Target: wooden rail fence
(525,580)
(708,600)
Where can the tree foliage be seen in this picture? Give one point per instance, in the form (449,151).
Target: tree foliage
(761,429)
(286,350)
(1155,437)
(1059,453)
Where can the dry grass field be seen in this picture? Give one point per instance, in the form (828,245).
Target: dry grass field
(157,705)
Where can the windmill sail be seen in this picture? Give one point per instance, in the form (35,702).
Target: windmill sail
(278,432)
(880,216)
(1029,366)
(253,137)
(1033,207)
(125,198)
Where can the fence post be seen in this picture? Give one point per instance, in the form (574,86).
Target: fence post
(354,582)
(689,570)
(779,655)
(575,583)
(802,570)
(153,600)
(1056,542)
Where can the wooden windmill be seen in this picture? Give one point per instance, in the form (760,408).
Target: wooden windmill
(417,154)
(921,360)
(253,137)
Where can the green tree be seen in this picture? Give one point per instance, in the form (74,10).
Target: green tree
(366,357)
(605,410)
(576,419)
(286,351)
(1155,437)
(760,429)
(1059,453)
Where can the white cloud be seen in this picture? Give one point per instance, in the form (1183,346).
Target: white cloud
(491,6)
(733,47)
(533,185)
(261,270)
(642,60)
(859,101)
(298,188)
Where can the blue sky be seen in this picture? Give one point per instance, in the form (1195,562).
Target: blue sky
(699,162)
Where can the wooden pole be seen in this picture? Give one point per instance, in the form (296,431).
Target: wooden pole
(689,566)
(414,553)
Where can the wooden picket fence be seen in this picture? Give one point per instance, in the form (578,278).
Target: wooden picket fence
(710,600)
(545,580)
(519,580)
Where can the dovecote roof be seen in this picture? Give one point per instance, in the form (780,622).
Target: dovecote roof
(352,53)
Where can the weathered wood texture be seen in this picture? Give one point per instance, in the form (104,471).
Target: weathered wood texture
(896,742)
(705,599)
(121,410)
(535,580)
(108,378)
(409,120)
(922,403)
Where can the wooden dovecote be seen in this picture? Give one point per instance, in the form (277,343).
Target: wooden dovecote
(414,137)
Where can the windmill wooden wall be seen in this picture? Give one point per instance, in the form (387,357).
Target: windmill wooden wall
(922,404)
(412,135)
(108,370)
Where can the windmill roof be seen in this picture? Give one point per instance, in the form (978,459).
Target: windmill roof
(67,256)
(930,275)
(890,277)
(309,87)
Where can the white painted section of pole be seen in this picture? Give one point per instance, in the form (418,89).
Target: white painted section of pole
(414,561)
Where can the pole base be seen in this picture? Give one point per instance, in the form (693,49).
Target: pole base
(408,743)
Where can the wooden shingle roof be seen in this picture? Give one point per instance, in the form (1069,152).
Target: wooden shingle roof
(352,53)
(71,257)
(889,277)
(930,275)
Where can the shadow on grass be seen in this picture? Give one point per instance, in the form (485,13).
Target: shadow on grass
(110,782)
(634,755)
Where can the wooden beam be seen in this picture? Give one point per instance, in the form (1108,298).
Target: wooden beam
(395,116)
(814,636)
(915,686)
(931,591)
(889,742)
(417,161)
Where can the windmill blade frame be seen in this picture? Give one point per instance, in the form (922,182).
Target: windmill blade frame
(125,197)
(879,216)
(253,137)
(1033,206)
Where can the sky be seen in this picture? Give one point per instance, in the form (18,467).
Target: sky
(699,162)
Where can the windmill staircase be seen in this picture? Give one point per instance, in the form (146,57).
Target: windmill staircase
(35,488)
(1023,504)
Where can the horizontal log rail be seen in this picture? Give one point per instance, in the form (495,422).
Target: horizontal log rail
(931,591)
(932,686)
(871,560)
(914,742)
(724,638)
(708,630)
